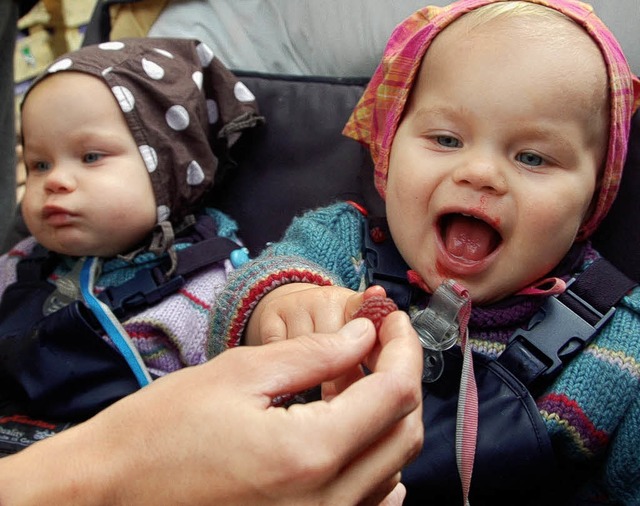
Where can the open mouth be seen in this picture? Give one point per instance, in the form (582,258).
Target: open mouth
(468,238)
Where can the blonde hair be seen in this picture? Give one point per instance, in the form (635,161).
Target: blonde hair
(513,9)
(552,26)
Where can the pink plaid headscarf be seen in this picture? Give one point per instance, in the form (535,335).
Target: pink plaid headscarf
(375,119)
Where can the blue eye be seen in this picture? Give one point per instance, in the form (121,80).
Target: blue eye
(92,157)
(530,159)
(40,166)
(448,141)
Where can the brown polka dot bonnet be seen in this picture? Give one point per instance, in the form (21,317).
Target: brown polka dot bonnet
(182,105)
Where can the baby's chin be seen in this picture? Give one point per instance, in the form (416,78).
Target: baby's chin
(75,249)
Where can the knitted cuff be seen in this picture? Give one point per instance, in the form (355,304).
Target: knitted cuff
(247,286)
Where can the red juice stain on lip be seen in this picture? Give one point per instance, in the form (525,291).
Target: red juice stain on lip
(482,207)
(481,210)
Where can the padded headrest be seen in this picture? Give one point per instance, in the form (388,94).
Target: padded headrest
(618,237)
(298,160)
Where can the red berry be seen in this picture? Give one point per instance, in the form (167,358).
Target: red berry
(376,308)
(378,235)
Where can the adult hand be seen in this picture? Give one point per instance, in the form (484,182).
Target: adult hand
(209,434)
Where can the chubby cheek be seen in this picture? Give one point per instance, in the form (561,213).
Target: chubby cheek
(551,226)
(137,204)
(139,227)
(557,221)
(30,210)
(546,237)
(411,224)
(407,197)
(416,241)
(149,214)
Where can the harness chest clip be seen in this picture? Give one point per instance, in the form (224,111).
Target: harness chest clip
(146,288)
(555,335)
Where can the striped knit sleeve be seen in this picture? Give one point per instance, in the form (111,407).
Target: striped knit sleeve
(623,465)
(9,262)
(622,468)
(592,410)
(322,247)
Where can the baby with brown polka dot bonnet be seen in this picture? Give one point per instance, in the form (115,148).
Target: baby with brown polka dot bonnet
(122,142)
(182,107)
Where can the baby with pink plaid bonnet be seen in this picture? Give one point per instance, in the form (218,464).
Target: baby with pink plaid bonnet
(498,132)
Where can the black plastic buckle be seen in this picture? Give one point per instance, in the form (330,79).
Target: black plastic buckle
(146,288)
(554,336)
(385,265)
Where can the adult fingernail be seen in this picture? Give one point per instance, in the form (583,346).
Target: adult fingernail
(355,329)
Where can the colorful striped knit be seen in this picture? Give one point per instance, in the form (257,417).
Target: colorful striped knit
(170,335)
(592,411)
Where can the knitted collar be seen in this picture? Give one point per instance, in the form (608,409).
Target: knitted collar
(496,322)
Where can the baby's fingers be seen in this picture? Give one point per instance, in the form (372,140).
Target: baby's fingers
(272,329)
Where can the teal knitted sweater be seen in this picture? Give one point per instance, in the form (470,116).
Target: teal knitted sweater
(592,410)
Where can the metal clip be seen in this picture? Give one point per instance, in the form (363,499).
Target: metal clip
(438,328)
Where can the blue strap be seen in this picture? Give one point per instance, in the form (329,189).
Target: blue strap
(110,323)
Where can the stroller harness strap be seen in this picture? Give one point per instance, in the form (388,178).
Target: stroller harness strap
(514,454)
(556,334)
(58,366)
(565,324)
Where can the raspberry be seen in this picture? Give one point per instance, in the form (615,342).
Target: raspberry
(376,308)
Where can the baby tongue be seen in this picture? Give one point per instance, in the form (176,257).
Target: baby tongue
(469,238)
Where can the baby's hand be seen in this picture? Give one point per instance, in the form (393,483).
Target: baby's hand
(299,309)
